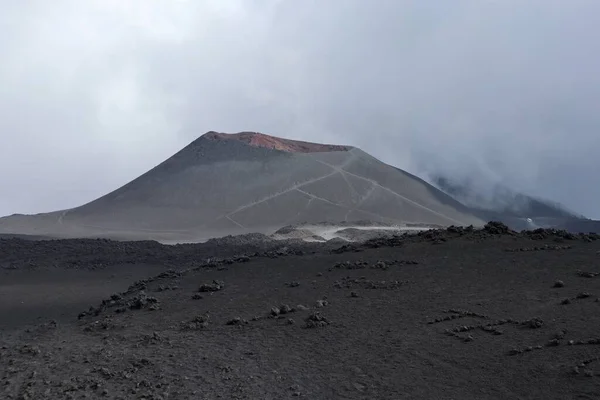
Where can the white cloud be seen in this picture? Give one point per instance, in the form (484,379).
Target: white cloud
(95,93)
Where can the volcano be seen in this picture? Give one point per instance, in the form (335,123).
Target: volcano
(226,184)
(518,211)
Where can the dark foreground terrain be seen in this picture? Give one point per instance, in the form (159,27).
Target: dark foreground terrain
(454,314)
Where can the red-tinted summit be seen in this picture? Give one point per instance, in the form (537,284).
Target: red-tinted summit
(256,139)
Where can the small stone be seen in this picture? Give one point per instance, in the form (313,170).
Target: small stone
(565,301)
(586,274)
(321,303)
(275,311)
(301,307)
(353,294)
(559,284)
(316,320)
(197,323)
(560,334)
(212,287)
(290,321)
(284,309)
(535,323)
(359,386)
(236,321)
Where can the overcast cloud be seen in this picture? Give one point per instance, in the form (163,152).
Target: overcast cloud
(94,93)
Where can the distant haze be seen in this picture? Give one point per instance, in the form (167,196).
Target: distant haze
(94,93)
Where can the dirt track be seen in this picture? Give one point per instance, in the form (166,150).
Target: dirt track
(453,315)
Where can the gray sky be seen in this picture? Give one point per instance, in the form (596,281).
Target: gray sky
(94,93)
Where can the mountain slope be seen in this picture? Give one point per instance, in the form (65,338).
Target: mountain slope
(248,182)
(517,210)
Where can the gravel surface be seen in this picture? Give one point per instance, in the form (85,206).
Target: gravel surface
(456,314)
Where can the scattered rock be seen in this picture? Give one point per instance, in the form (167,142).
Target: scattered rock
(587,274)
(198,323)
(164,288)
(466,313)
(316,320)
(496,228)
(29,350)
(105,324)
(321,303)
(237,321)
(121,304)
(215,286)
(351,265)
(538,248)
(359,386)
(533,323)
(557,234)
(363,282)
(284,309)
(43,328)
(137,286)
(142,301)
(560,334)
(116,297)
(380,265)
